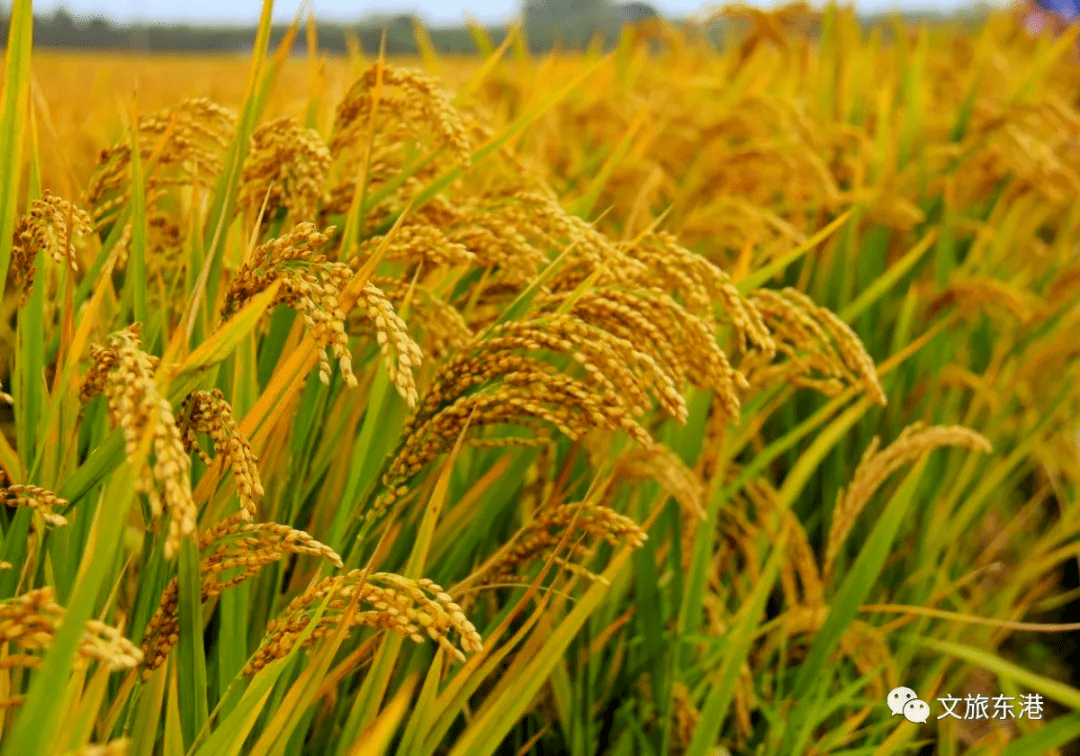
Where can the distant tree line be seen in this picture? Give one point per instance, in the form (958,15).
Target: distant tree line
(548,24)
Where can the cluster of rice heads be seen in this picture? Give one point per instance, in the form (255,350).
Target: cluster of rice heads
(748,155)
(29,622)
(328,363)
(943,160)
(531,324)
(938,165)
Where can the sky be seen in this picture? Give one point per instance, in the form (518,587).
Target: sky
(433,12)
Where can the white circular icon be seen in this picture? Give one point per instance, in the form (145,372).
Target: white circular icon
(916,711)
(899,697)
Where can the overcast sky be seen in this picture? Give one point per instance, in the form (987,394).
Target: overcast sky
(434,12)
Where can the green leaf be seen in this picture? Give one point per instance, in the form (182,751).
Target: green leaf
(1059,732)
(135,275)
(15,99)
(148,713)
(224,201)
(192,658)
(1064,694)
(29,389)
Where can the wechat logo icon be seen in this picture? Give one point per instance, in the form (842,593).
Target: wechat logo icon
(905,701)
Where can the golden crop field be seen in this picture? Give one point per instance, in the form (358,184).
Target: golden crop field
(667,400)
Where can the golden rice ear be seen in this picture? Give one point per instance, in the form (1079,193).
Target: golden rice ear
(698,284)
(37,498)
(418,92)
(419,242)
(540,538)
(125,374)
(878,464)
(208,412)
(195,133)
(50,225)
(683,345)
(664,467)
(286,166)
(233,544)
(445,329)
(821,351)
(401,354)
(491,383)
(313,286)
(411,608)
(31,620)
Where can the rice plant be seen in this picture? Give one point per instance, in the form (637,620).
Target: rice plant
(679,400)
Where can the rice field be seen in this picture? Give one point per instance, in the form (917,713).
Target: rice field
(667,400)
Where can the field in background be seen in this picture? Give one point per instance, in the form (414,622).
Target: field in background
(660,401)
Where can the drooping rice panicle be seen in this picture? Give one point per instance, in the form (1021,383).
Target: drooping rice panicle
(411,608)
(188,140)
(878,464)
(208,412)
(234,550)
(125,374)
(414,93)
(37,498)
(310,284)
(445,328)
(540,538)
(820,350)
(51,225)
(30,621)
(285,167)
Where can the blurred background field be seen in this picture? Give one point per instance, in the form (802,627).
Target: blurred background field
(876,221)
